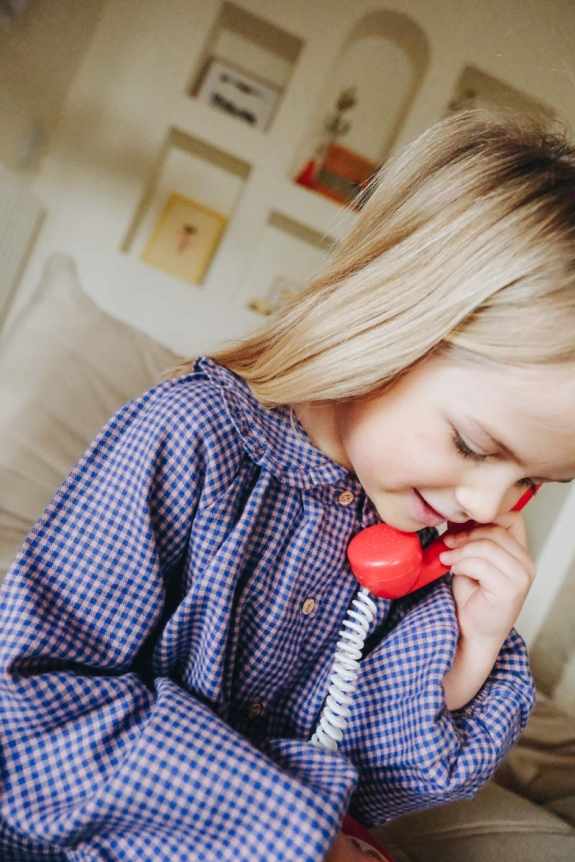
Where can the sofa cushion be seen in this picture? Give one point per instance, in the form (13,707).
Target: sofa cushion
(496,825)
(65,367)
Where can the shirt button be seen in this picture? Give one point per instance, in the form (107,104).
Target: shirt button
(255,709)
(345,498)
(308,606)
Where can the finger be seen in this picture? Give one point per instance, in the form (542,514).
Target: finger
(496,535)
(495,586)
(513,523)
(519,568)
(463,587)
(513,567)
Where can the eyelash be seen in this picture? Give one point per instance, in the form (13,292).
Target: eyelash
(478,457)
(466,450)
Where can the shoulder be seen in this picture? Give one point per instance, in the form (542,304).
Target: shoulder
(195,407)
(426,615)
(183,420)
(190,402)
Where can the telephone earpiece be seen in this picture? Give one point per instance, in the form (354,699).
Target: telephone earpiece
(391,564)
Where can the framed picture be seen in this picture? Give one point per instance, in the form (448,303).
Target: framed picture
(184,238)
(238,93)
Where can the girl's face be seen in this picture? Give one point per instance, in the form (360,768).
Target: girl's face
(456,441)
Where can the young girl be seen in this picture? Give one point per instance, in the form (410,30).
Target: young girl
(168,628)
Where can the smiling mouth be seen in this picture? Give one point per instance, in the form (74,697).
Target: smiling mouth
(425,513)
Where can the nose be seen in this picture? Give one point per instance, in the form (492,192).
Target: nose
(482,502)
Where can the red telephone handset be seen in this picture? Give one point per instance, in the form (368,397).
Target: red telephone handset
(391,564)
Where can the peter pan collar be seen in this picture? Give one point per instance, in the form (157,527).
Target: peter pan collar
(274,438)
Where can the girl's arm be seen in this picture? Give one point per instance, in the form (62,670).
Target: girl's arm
(492,574)
(472,664)
(101,757)
(411,751)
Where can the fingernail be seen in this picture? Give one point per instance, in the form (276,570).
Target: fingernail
(449,540)
(445,557)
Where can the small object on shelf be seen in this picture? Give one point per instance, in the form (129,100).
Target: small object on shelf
(334,171)
(262,306)
(238,93)
(335,126)
(185,238)
(343,175)
(282,289)
(14,7)
(306,177)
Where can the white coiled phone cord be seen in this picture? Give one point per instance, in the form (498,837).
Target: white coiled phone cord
(335,713)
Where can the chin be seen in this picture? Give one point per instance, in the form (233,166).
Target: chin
(399,522)
(393,508)
(406,526)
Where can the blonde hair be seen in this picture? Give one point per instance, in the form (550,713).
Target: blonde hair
(466,243)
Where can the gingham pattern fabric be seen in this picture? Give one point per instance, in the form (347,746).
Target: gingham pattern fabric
(161,680)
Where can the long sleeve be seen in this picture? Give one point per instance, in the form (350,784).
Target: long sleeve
(410,750)
(109,752)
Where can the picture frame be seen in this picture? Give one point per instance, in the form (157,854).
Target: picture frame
(184,238)
(238,93)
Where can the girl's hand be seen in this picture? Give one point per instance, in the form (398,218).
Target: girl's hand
(492,574)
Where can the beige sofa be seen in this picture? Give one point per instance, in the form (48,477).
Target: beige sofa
(526,814)
(65,366)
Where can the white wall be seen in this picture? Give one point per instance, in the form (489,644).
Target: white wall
(40,52)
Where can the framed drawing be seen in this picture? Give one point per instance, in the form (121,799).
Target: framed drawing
(238,93)
(184,238)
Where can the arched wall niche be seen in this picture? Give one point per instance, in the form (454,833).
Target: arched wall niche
(384,59)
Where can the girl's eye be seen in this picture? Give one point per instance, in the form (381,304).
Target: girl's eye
(466,450)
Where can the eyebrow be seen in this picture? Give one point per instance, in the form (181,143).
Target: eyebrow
(513,455)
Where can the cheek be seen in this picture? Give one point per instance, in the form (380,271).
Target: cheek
(396,451)
(431,438)
(389,457)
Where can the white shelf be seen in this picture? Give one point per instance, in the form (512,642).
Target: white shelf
(195,170)
(384,46)
(477,89)
(245,67)
(286,257)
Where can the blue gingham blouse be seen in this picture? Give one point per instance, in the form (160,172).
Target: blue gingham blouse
(167,634)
